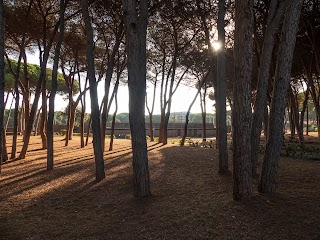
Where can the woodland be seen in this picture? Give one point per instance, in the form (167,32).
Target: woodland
(257,60)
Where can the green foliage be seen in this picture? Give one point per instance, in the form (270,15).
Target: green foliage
(297,150)
(33,75)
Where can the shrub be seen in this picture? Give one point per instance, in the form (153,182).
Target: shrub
(127,136)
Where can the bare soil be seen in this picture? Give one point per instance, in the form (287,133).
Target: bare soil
(189,199)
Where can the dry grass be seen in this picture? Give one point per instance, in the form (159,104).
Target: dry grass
(190,200)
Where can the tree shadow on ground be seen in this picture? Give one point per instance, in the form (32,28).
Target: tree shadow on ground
(189,200)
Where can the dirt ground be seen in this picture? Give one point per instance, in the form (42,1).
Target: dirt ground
(189,199)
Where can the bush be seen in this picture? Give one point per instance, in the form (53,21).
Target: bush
(127,136)
(156,139)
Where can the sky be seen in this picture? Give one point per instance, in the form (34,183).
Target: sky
(181,99)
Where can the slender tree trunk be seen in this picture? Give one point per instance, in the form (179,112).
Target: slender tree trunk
(275,16)
(304,109)
(241,117)
(222,94)
(266,123)
(111,64)
(292,125)
(16,112)
(5,156)
(88,130)
(279,98)
(37,94)
(136,31)
(43,119)
(314,96)
(54,87)
(83,110)
(150,111)
(15,126)
(203,114)
(295,113)
(2,80)
(36,123)
(113,122)
(95,113)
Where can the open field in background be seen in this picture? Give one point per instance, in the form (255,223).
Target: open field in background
(190,200)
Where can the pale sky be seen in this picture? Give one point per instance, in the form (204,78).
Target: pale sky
(181,99)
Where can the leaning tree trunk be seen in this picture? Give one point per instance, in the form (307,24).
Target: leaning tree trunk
(2,81)
(54,87)
(275,16)
(5,156)
(95,113)
(241,117)
(279,98)
(37,94)
(136,31)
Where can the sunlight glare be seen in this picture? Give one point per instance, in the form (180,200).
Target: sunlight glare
(216,46)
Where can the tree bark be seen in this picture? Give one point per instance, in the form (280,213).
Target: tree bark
(279,98)
(222,94)
(136,31)
(113,122)
(2,80)
(54,87)
(275,16)
(95,113)
(43,118)
(241,118)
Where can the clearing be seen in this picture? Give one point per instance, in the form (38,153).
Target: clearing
(190,200)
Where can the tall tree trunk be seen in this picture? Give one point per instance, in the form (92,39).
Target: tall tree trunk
(26,90)
(291,122)
(241,117)
(315,98)
(110,68)
(95,113)
(113,122)
(222,94)
(185,129)
(88,130)
(279,98)
(83,110)
(305,108)
(275,16)
(203,114)
(5,156)
(15,125)
(150,111)
(136,31)
(36,123)
(295,112)
(54,87)
(37,93)
(43,118)
(16,112)
(2,80)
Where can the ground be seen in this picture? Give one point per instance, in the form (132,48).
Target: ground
(189,199)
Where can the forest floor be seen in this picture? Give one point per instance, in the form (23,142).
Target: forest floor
(189,199)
